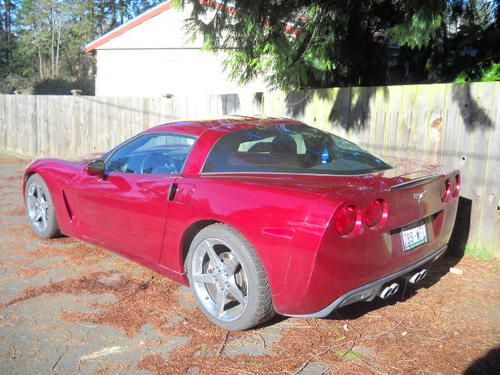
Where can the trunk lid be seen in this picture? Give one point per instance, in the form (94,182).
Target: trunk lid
(413,192)
(404,175)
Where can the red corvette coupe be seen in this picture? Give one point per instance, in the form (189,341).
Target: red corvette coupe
(257,215)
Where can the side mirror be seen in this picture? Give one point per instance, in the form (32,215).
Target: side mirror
(96,168)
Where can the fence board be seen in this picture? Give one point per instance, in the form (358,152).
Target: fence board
(454,125)
(440,123)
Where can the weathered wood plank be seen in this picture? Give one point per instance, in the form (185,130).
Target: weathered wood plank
(455,125)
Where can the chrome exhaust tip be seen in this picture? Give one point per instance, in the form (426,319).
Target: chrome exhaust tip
(389,291)
(417,277)
(423,274)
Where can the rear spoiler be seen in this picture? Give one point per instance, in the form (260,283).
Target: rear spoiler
(417,181)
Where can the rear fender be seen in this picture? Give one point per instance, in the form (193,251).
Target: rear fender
(273,226)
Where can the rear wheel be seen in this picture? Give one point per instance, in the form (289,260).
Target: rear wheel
(227,279)
(40,208)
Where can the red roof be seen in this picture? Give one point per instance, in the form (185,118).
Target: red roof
(223,125)
(160,8)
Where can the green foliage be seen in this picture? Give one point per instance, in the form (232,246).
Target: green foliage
(52,87)
(480,252)
(14,83)
(462,77)
(62,87)
(45,39)
(310,44)
(489,74)
(422,22)
(294,44)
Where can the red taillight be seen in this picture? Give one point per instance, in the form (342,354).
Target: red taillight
(374,213)
(446,194)
(345,219)
(456,190)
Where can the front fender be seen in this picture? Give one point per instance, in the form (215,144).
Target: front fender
(58,175)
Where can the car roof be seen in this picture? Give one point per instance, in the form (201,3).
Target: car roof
(223,125)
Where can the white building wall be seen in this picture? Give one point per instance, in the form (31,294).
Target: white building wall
(161,71)
(155,58)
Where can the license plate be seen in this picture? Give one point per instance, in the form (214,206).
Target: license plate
(413,236)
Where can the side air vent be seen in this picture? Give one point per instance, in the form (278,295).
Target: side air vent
(68,207)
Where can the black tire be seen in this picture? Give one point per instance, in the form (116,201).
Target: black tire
(259,307)
(48,228)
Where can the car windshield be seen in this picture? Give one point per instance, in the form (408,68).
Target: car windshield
(295,148)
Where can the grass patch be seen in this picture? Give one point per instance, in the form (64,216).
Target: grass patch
(480,252)
(473,301)
(347,355)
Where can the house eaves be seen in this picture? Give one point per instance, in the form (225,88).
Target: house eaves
(160,8)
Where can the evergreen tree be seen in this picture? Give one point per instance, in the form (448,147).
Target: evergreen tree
(323,43)
(43,39)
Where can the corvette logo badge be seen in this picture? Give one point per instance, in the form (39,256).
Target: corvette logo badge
(419,196)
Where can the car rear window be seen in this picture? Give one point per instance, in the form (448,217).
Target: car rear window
(295,148)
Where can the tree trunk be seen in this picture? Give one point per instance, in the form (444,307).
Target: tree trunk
(40,63)
(58,45)
(52,42)
(7,29)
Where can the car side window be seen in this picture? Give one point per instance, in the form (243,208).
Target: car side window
(155,153)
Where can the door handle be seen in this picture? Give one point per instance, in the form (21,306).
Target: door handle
(172,191)
(182,194)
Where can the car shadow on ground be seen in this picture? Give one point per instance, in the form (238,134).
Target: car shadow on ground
(275,320)
(406,292)
(436,271)
(488,364)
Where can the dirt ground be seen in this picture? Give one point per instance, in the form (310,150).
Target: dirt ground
(67,307)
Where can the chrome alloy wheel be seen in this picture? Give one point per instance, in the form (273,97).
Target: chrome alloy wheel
(36,202)
(219,279)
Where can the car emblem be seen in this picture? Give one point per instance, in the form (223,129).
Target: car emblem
(419,196)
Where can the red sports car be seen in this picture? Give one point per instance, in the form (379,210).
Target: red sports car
(258,215)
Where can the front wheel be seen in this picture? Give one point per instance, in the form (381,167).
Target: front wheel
(227,279)
(40,208)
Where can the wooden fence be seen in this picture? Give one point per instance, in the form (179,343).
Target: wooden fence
(449,124)
(455,125)
(69,126)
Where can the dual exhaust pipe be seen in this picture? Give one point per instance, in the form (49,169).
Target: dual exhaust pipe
(389,291)
(417,277)
(413,279)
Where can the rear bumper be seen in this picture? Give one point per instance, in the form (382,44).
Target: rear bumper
(369,291)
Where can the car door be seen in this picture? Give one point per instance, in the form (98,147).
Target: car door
(126,210)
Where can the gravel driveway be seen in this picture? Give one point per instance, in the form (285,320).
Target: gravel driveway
(67,307)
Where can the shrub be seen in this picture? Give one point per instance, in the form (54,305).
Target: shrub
(488,74)
(491,74)
(480,252)
(62,87)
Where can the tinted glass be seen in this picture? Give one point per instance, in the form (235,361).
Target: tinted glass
(296,148)
(152,154)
